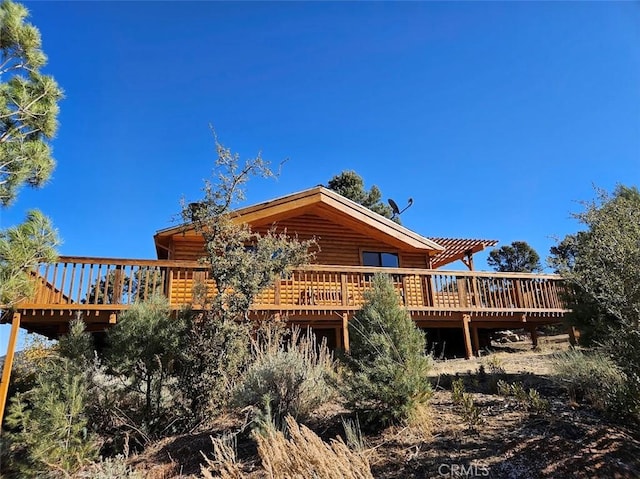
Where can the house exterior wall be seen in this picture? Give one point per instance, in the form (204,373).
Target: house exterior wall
(338,245)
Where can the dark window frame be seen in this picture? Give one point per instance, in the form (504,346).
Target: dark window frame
(380,256)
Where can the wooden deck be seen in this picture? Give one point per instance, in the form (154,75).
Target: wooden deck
(317,295)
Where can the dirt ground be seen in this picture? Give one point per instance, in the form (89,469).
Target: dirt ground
(566,440)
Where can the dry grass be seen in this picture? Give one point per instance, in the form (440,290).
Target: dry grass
(420,423)
(568,441)
(305,455)
(513,358)
(224,463)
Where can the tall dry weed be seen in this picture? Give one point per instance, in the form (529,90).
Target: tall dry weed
(304,455)
(224,463)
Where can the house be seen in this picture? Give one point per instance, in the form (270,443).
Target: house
(354,243)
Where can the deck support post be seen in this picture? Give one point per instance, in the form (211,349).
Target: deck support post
(467,336)
(574,335)
(8,363)
(534,336)
(475,340)
(345,332)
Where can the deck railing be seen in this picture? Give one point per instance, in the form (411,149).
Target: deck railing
(97,283)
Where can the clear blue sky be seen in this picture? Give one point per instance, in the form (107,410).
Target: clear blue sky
(495,117)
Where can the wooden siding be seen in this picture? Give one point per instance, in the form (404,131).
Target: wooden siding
(187,249)
(338,245)
(327,204)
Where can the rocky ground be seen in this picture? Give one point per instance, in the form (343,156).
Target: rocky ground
(505,439)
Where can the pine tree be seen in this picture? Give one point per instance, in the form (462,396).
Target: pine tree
(351,185)
(516,257)
(387,366)
(22,247)
(48,426)
(28,120)
(142,349)
(28,105)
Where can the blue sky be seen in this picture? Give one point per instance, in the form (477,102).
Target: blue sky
(496,118)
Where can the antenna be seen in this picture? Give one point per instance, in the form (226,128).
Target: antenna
(397,211)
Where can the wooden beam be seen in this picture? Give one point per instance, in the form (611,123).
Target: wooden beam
(345,332)
(467,336)
(467,260)
(475,339)
(533,332)
(8,363)
(574,336)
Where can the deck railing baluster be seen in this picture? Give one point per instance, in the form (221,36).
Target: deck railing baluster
(60,290)
(52,291)
(73,275)
(80,279)
(314,288)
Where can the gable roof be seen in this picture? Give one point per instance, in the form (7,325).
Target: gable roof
(328,204)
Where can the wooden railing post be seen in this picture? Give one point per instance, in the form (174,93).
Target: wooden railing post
(519,296)
(428,290)
(117,285)
(344,290)
(277,291)
(8,364)
(461,283)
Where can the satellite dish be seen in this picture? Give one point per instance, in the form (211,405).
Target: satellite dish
(394,207)
(397,211)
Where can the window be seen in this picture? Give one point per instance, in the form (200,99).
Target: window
(380,259)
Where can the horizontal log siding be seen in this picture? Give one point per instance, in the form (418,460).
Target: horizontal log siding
(191,249)
(413,260)
(338,245)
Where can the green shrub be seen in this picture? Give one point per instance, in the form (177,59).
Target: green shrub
(601,268)
(47,427)
(77,344)
(536,403)
(290,373)
(143,348)
(470,412)
(595,378)
(503,388)
(457,390)
(623,346)
(492,372)
(464,400)
(386,376)
(109,468)
(353,434)
(529,400)
(214,351)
